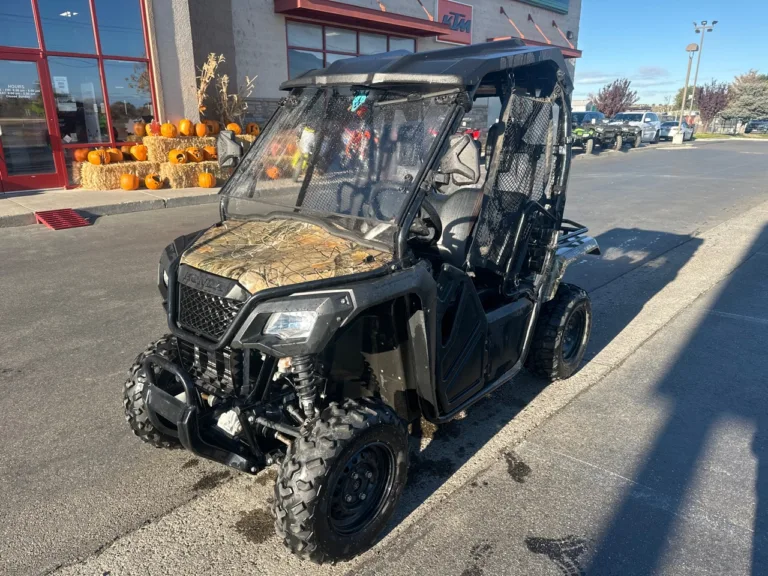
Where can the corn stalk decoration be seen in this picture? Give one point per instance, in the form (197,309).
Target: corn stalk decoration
(227,107)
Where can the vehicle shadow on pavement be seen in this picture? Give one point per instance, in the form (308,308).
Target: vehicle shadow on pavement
(451,445)
(654,258)
(691,497)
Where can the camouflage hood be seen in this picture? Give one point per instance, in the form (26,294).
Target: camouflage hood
(262,255)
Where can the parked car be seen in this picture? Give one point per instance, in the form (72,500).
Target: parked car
(670,129)
(757,127)
(648,121)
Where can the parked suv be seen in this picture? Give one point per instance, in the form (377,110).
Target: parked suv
(648,121)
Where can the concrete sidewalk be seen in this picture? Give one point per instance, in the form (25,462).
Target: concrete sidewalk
(18,208)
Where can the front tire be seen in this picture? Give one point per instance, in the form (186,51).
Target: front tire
(133,393)
(619,143)
(338,487)
(561,335)
(589,147)
(656,137)
(636,142)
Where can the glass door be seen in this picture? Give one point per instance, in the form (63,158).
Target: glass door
(26,151)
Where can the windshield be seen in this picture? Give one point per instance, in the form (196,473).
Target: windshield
(629,117)
(578,117)
(347,156)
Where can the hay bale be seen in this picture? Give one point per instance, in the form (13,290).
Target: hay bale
(158,146)
(107,176)
(185,175)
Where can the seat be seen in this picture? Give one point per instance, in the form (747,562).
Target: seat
(458,197)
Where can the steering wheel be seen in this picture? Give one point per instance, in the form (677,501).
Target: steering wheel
(427,227)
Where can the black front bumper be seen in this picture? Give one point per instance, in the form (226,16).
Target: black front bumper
(192,425)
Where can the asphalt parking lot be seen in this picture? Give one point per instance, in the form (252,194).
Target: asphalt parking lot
(78,493)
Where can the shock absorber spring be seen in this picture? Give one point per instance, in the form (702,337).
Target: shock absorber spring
(305,383)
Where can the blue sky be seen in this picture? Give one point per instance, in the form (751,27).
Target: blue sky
(645,42)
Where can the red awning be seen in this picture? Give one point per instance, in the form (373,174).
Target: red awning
(567,52)
(340,13)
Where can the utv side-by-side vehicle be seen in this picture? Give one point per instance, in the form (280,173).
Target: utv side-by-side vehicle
(590,129)
(629,134)
(371,267)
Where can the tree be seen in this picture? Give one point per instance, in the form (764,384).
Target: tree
(679,98)
(712,100)
(615,97)
(748,96)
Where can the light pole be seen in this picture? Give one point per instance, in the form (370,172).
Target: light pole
(679,137)
(703,28)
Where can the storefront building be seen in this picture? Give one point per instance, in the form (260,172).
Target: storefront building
(78,74)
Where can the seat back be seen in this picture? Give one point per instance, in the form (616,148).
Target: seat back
(458,213)
(460,165)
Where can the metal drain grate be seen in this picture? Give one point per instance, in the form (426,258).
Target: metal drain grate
(61,219)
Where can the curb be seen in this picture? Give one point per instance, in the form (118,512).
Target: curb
(27,216)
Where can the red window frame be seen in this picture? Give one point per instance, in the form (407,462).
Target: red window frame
(59,146)
(325,51)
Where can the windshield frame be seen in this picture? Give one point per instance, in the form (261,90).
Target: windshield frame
(332,220)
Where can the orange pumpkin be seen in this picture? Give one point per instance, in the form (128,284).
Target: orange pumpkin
(186,128)
(253,129)
(153,181)
(273,172)
(212,127)
(195,154)
(290,148)
(126,150)
(140,129)
(99,157)
(129,181)
(206,180)
(201,129)
(115,155)
(168,130)
(209,153)
(81,154)
(139,152)
(177,156)
(235,127)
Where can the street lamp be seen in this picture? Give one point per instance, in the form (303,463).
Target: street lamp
(691,49)
(703,28)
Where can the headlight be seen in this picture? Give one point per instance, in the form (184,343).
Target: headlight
(289,325)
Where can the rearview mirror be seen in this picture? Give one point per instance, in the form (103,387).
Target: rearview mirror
(228,149)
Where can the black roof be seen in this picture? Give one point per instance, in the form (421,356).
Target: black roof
(460,67)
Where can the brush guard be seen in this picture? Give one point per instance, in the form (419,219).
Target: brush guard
(187,415)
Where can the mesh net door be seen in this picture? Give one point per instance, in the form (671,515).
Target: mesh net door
(523,172)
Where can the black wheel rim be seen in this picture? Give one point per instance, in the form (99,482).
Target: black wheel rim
(573,335)
(362,489)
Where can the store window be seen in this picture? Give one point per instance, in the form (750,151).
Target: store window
(67,26)
(20,29)
(121,31)
(130,97)
(79,100)
(312,46)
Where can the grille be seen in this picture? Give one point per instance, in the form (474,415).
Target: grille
(204,313)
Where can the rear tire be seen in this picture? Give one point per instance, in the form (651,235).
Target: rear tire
(338,487)
(133,398)
(589,146)
(562,334)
